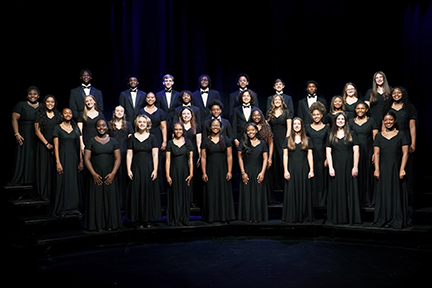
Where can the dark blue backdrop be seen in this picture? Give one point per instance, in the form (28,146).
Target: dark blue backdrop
(332,42)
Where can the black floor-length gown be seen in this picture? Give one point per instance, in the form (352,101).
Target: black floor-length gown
(69,187)
(279,129)
(179,195)
(365,180)
(24,163)
(298,190)
(102,203)
(45,162)
(143,199)
(253,196)
(320,181)
(218,198)
(391,202)
(343,205)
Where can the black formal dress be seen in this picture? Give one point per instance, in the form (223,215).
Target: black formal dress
(365,180)
(69,187)
(143,199)
(279,128)
(253,196)
(298,190)
(343,204)
(24,162)
(321,178)
(179,195)
(102,203)
(218,197)
(45,160)
(391,202)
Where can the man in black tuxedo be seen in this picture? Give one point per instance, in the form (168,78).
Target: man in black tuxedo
(305,103)
(168,100)
(77,95)
(243,83)
(204,95)
(132,99)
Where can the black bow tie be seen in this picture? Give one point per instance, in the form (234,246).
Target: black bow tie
(311,96)
(86,87)
(202,92)
(168,90)
(133,89)
(246,106)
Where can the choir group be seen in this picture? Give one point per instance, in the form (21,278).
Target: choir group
(353,153)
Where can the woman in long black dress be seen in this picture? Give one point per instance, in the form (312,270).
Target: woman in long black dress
(391,156)
(350,98)
(280,120)
(216,165)
(336,106)
(365,128)
(143,199)
(120,129)
(179,169)
(377,96)
(47,117)
(406,115)
(69,162)
(343,205)
(102,159)
(318,133)
(298,170)
(23,116)
(252,155)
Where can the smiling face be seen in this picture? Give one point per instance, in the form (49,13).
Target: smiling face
(361,110)
(278,86)
(246,97)
(119,112)
(150,98)
(337,103)
(101,127)
(178,131)
(277,101)
(243,82)
(389,122)
(168,82)
(251,132)
(49,103)
(86,78)
(142,124)
(350,90)
(133,82)
(215,111)
(186,115)
(215,126)
(89,102)
(316,116)
(379,79)
(340,121)
(186,97)
(397,95)
(67,114)
(204,82)
(256,117)
(297,126)
(33,95)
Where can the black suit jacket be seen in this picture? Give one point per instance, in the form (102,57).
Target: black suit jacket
(198,102)
(233,103)
(76,100)
(239,122)
(303,109)
(125,100)
(161,103)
